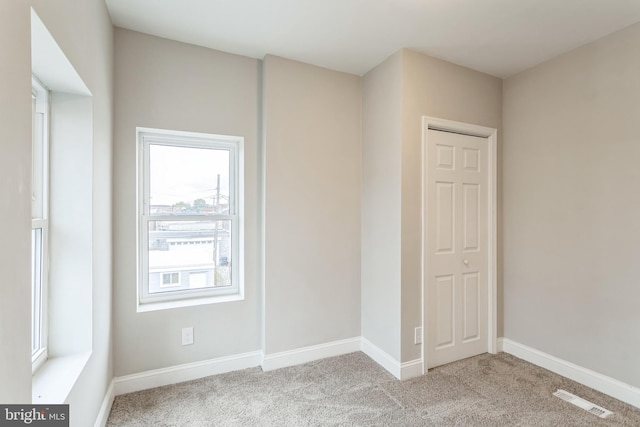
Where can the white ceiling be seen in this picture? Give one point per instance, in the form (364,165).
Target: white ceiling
(498,37)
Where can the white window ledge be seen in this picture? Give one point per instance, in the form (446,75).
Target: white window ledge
(53,382)
(165,305)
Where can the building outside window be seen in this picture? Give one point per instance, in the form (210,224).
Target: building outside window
(190,211)
(170,280)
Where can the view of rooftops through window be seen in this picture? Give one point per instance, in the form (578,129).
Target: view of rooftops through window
(190,241)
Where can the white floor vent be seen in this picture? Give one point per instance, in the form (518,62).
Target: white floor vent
(581,403)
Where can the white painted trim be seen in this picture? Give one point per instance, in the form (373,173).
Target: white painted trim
(105,409)
(402,371)
(607,385)
(500,344)
(381,357)
(234,146)
(190,371)
(186,372)
(309,354)
(411,369)
(57,376)
(492,256)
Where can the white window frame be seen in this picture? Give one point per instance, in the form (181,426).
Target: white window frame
(40,221)
(189,297)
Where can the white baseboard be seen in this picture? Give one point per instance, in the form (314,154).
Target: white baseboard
(607,385)
(381,357)
(105,409)
(411,369)
(401,371)
(186,372)
(309,354)
(190,371)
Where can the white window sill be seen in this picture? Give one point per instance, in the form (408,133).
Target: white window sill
(165,305)
(53,382)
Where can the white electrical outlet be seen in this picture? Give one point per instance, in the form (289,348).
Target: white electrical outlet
(417,339)
(187,335)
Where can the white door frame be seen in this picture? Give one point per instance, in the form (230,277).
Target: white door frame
(492,227)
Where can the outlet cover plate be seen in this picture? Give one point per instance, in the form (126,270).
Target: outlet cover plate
(417,339)
(187,335)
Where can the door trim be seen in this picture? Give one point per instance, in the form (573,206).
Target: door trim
(492,227)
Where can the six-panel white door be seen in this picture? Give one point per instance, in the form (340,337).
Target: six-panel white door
(456,267)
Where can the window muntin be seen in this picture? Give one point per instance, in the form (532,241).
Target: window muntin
(39,222)
(189,216)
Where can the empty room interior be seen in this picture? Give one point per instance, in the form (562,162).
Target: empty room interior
(202,188)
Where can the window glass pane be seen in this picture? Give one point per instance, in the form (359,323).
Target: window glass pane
(189,255)
(36,289)
(37,163)
(188,181)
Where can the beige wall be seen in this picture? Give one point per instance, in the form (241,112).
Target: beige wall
(83,31)
(397,94)
(312,172)
(381,221)
(432,87)
(342,176)
(572,206)
(170,85)
(15,182)
(15,166)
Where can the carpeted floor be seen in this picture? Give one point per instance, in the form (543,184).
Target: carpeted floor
(352,390)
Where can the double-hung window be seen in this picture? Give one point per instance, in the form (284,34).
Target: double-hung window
(39,221)
(190,218)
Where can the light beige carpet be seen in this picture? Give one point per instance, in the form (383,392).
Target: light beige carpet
(352,390)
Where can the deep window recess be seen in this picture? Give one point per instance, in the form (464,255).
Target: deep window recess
(189,216)
(39,221)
